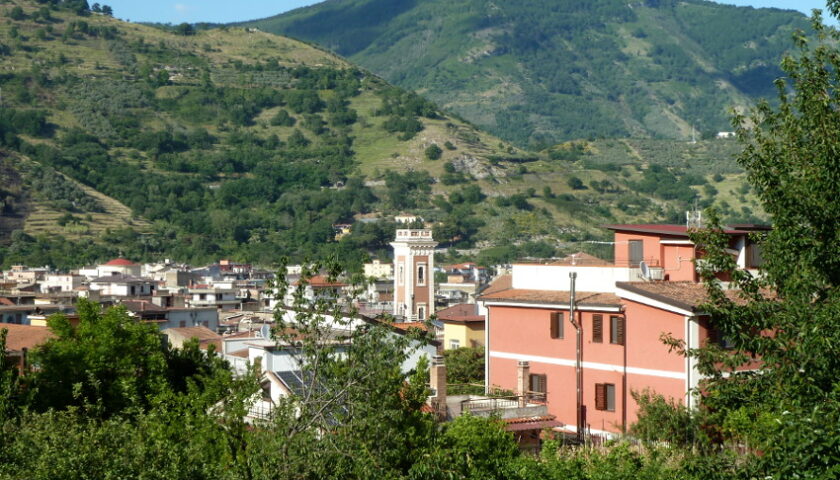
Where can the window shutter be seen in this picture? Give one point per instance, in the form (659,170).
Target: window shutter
(619,330)
(600,396)
(538,382)
(557,325)
(560,326)
(597,328)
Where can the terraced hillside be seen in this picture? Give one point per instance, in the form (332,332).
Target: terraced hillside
(237,143)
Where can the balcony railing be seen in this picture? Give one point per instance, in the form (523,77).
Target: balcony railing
(486,404)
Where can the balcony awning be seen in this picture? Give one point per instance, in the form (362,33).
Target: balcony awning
(531,423)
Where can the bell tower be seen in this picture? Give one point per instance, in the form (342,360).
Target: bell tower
(414,279)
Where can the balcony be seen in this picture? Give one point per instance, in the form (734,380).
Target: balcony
(513,406)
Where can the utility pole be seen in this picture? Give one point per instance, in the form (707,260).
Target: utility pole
(581,416)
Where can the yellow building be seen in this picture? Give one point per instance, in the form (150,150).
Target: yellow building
(462,326)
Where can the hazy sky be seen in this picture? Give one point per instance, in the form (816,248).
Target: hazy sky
(222,11)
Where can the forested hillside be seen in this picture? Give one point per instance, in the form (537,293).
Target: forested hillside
(194,145)
(204,144)
(535,72)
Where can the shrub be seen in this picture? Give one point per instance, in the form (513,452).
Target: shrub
(433,152)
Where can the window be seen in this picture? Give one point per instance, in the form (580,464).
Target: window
(754,256)
(556,324)
(715,337)
(616,330)
(182,323)
(421,274)
(421,312)
(597,328)
(401,275)
(537,383)
(636,252)
(453,344)
(605,396)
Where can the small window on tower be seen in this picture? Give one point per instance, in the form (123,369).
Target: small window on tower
(421,275)
(401,274)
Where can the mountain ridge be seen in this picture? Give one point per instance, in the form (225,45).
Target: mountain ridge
(538,72)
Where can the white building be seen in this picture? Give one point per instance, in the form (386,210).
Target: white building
(121,285)
(379,270)
(223,298)
(55,282)
(119,266)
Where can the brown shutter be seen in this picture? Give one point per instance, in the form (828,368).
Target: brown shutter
(537,382)
(555,325)
(619,330)
(560,326)
(597,328)
(600,396)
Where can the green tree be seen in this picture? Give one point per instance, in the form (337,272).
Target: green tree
(108,360)
(16,13)
(465,366)
(576,183)
(184,29)
(9,388)
(433,152)
(470,448)
(790,160)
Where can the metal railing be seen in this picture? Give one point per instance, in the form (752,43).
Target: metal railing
(489,404)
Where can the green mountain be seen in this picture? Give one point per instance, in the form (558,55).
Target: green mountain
(541,71)
(119,138)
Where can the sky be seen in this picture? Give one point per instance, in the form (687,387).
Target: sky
(224,11)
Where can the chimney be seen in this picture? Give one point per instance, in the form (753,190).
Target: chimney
(437,380)
(523,371)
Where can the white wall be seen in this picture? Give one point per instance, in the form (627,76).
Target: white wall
(556,277)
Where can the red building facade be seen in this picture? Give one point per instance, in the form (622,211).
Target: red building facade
(623,312)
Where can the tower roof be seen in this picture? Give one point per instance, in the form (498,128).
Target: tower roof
(120,262)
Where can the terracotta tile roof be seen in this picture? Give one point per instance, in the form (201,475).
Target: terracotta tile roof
(321,281)
(464,312)
(531,423)
(121,262)
(201,333)
(684,295)
(240,353)
(408,325)
(677,230)
(25,336)
(581,258)
(6,301)
(143,306)
(502,282)
(551,296)
(248,334)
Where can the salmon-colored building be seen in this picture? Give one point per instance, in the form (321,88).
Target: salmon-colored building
(623,308)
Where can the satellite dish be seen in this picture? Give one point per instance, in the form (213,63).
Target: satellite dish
(645,270)
(265,331)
